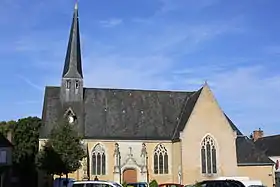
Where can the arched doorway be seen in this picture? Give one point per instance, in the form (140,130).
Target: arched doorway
(130,175)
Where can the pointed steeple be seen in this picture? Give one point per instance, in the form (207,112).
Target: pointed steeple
(73,62)
(71,89)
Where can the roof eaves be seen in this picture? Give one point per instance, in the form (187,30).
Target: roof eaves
(255,164)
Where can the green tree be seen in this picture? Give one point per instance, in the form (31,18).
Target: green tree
(6,127)
(26,142)
(67,144)
(49,161)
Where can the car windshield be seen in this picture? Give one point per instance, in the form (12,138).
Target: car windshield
(220,184)
(136,185)
(116,184)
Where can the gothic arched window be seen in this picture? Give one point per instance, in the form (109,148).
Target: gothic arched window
(98,160)
(160,160)
(208,156)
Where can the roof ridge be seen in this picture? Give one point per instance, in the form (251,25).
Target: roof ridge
(140,89)
(271,136)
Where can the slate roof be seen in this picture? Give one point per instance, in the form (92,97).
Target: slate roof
(130,114)
(73,62)
(249,154)
(4,142)
(185,113)
(269,144)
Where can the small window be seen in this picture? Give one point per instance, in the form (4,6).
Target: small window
(77,84)
(68,84)
(3,157)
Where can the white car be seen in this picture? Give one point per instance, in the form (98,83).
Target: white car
(96,184)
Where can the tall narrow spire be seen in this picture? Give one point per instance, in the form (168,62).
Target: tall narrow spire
(73,64)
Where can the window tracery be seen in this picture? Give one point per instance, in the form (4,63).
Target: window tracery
(98,160)
(160,160)
(208,156)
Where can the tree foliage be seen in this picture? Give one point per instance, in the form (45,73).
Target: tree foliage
(26,141)
(124,184)
(63,148)
(49,161)
(25,138)
(153,183)
(6,127)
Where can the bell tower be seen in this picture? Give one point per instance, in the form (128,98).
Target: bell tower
(72,77)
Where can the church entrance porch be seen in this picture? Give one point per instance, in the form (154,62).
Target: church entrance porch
(130,175)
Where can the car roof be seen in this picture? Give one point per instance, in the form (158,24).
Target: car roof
(220,181)
(170,183)
(96,182)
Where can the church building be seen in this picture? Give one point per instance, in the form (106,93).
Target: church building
(141,135)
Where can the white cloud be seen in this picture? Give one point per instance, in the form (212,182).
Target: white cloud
(111,22)
(127,72)
(30,83)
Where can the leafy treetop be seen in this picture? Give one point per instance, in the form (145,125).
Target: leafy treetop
(64,148)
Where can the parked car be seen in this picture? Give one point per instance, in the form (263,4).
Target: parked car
(96,184)
(138,184)
(220,183)
(170,185)
(60,182)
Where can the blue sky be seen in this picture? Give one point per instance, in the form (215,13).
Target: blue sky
(148,44)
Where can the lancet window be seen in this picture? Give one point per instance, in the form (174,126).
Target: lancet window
(98,160)
(160,160)
(208,156)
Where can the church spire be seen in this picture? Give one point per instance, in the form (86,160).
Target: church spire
(71,89)
(73,64)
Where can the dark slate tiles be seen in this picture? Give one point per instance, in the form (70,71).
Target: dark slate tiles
(249,154)
(132,114)
(269,144)
(185,112)
(51,110)
(73,63)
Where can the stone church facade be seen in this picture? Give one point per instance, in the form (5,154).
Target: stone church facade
(141,135)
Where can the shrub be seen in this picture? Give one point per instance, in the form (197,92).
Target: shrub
(153,183)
